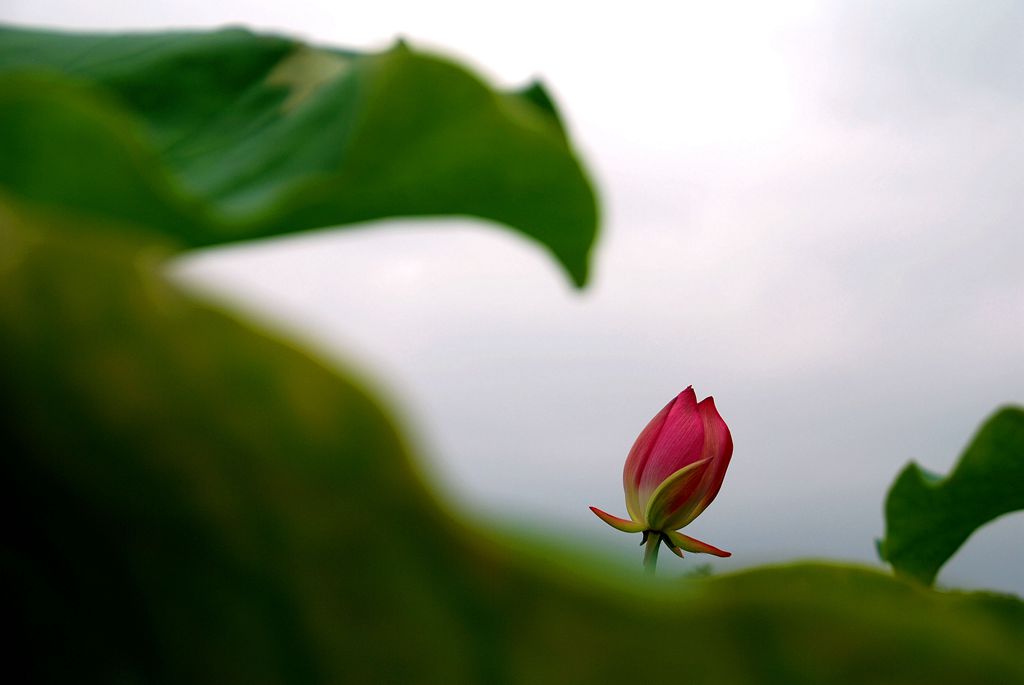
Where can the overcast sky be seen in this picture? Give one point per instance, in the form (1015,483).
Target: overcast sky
(812,212)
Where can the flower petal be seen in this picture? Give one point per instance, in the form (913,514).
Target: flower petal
(638,457)
(625,525)
(675,495)
(694,545)
(679,443)
(718,448)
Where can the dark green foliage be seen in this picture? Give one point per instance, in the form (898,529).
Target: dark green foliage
(929,517)
(193,501)
(218,137)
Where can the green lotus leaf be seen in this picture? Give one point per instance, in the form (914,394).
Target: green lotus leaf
(191,499)
(928,517)
(217,137)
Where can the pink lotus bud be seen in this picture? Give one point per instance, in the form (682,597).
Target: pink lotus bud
(674,471)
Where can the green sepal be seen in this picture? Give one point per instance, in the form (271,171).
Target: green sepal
(625,525)
(694,545)
(659,514)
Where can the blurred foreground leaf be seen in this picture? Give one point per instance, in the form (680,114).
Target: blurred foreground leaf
(223,136)
(928,518)
(189,500)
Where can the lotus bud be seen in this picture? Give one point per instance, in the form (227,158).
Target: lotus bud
(672,474)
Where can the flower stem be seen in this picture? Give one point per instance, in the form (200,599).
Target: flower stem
(651,552)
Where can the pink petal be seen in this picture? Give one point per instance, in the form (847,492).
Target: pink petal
(718,448)
(615,522)
(694,545)
(637,460)
(676,496)
(678,443)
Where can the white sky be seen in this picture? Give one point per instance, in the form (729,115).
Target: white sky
(812,212)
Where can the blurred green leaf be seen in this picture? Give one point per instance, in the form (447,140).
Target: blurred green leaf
(224,136)
(188,499)
(928,517)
